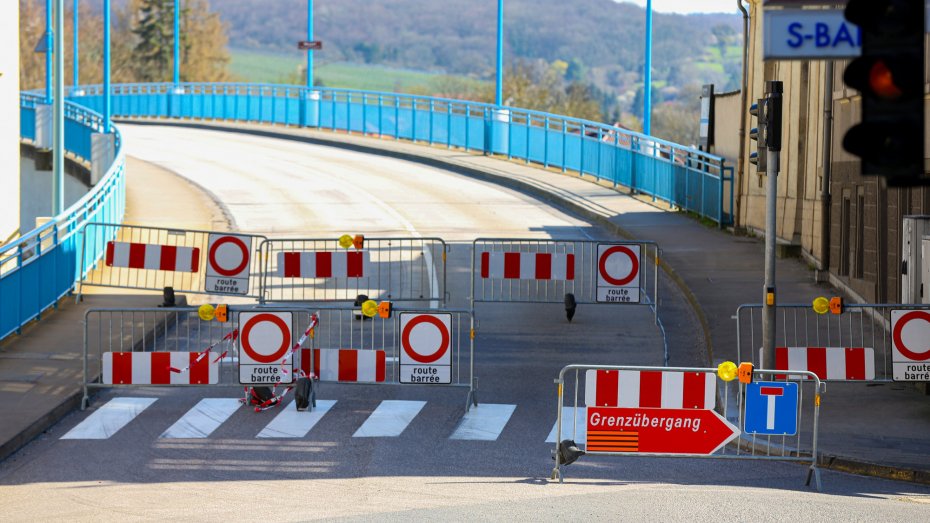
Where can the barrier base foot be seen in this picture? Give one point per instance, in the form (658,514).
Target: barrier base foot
(815,472)
(556,475)
(85,402)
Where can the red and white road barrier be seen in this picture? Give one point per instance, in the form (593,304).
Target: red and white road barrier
(650,389)
(152,257)
(527,266)
(828,363)
(352,365)
(229,339)
(154,368)
(323,264)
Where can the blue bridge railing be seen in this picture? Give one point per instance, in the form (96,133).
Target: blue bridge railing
(40,267)
(685,177)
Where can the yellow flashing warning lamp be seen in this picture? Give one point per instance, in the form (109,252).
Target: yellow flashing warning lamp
(821,305)
(345,241)
(726,371)
(384,309)
(370,308)
(745,372)
(770,296)
(836,305)
(359,241)
(220,313)
(206,312)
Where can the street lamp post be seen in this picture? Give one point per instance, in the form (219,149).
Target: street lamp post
(58,109)
(499,84)
(310,39)
(106,66)
(74,70)
(177,44)
(647,73)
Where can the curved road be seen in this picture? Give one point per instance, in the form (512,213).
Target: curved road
(289,188)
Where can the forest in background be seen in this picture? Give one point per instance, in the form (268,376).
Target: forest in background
(582,58)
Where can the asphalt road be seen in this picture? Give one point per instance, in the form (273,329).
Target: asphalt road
(153,468)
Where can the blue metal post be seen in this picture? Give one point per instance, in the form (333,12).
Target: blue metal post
(177,43)
(499,86)
(75,69)
(106,65)
(647,74)
(310,38)
(48,51)
(58,126)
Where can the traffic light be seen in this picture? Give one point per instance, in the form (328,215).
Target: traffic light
(890,77)
(758,133)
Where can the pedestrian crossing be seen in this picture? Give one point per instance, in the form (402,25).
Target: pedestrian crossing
(389,419)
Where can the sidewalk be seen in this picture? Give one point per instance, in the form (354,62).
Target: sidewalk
(41,369)
(874,429)
(878,429)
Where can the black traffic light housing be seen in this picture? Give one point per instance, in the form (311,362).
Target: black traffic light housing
(758,134)
(890,77)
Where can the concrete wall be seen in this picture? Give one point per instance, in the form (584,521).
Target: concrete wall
(9,118)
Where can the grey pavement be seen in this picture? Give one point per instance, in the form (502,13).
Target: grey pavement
(875,429)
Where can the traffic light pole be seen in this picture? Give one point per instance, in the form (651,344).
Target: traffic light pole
(773,93)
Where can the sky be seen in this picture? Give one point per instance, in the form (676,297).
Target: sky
(689,6)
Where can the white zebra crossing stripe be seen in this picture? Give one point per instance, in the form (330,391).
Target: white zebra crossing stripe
(572,420)
(389,419)
(203,419)
(291,423)
(108,419)
(484,422)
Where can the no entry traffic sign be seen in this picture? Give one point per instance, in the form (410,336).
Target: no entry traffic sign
(618,273)
(910,339)
(426,355)
(264,348)
(228,264)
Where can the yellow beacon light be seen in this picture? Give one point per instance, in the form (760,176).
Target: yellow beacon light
(821,305)
(206,312)
(726,371)
(345,241)
(370,308)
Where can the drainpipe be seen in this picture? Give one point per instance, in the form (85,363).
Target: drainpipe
(827,161)
(743,95)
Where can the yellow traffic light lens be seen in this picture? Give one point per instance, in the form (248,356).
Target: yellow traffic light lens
(345,241)
(821,305)
(370,308)
(206,312)
(726,371)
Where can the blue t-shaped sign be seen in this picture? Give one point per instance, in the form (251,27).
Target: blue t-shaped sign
(771,409)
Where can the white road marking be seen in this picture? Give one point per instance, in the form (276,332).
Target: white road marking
(291,423)
(203,419)
(389,419)
(108,419)
(569,418)
(484,422)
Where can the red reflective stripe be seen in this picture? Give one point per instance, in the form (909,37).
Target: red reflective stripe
(305,356)
(511,265)
(607,388)
(379,366)
(817,361)
(781,361)
(200,370)
(485,264)
(110,249)
(122,367)
(694,386)
(161,363)
(316,362)
(855,363)
(570,267)
(348,365)
(650,389)
(195,259)
(543,266)
(169,257)
(137,255)
(771,391)
(354,264)
(292,265)
(324,265)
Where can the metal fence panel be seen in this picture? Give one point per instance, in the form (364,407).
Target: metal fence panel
(397,269)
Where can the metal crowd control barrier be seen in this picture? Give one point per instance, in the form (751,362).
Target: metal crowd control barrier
(320,270)
(632,411)
(838,347)
(176,347)
(432,347)
(189,261)
(170,346)
(567,271)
